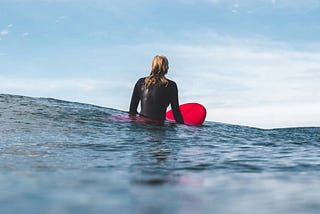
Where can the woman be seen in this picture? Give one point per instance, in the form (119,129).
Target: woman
(156,92)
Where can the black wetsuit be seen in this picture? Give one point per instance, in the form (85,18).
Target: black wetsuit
(155,99)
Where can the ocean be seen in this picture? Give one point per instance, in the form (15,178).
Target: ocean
(65,157)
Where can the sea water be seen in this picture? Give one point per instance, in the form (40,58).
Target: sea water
(66,157)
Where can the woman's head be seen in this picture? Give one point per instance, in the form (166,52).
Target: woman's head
(159,69)
(160,65)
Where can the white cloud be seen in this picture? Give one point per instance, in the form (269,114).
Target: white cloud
(302,4)
(259,83)
(49,85)
(60,19)
(241,81)
(94,91)
(253,82)
(4,32)
(250,75)
(25,34)
(275,116)
(213,2)
(296,5)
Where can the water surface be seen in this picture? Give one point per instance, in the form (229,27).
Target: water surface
(65,157)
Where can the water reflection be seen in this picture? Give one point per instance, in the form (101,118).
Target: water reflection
(153,158)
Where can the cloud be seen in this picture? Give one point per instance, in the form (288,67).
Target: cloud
(25,34)
(221,71)
(250,76)
(254,82)
(94,91)
(275,116)
(213,2)
(60,19)
(48,85)
(296,4)
(249,5)
(105,4)
(4,32)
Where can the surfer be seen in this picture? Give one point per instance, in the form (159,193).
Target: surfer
(156,92)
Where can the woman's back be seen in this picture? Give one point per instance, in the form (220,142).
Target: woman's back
(155,93)
(155,99)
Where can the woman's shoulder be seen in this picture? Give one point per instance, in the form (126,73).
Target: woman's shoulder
(172,83)
(141,80)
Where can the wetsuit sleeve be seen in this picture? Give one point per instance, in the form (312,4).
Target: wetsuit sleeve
(134,100)
(175,105)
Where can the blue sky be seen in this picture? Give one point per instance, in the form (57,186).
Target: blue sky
(253,63)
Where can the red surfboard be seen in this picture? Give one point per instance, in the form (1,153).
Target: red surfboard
(193,114)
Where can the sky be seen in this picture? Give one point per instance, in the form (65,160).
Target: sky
(249,62)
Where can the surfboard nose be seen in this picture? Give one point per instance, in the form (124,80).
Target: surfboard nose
(193,114)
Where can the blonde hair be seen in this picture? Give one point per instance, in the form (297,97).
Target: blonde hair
(159,69)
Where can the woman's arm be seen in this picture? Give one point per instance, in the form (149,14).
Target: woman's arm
(175,105)
(135,99)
